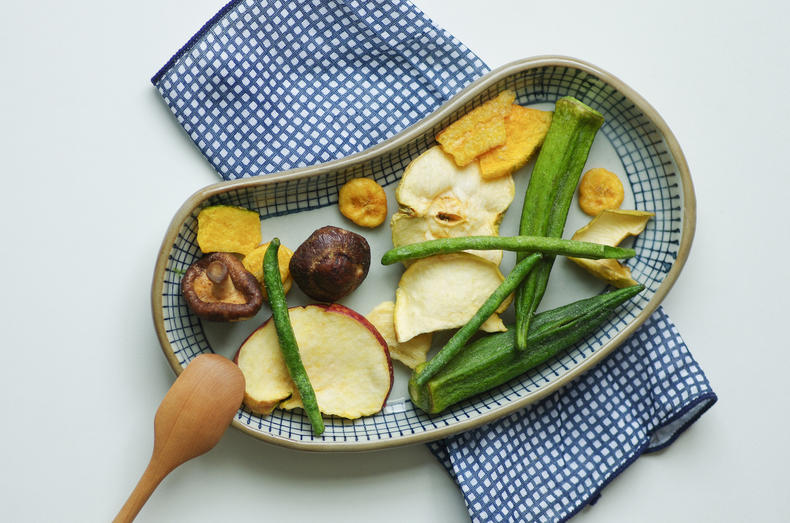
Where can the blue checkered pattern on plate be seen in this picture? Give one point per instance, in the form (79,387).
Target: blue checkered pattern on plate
(268,86)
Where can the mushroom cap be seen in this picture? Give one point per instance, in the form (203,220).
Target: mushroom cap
(239,301)
(331,263)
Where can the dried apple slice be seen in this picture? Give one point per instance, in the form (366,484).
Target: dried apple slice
(611,227)
(444,292)
(438,199)
(345,357)
(412,352)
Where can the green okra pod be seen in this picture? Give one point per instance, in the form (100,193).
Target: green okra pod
(549,193)
(494,359)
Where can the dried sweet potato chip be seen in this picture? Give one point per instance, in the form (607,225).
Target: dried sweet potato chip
(526,128)
(478,131)
(253,262)
(226,228)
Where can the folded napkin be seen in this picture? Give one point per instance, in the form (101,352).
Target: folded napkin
(267,86)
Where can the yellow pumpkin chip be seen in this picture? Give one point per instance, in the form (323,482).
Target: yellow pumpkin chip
(225,228)
(478,131)
(526,129)
(253,262)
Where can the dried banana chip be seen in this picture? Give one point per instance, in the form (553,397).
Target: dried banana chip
(364,202)
(600,189)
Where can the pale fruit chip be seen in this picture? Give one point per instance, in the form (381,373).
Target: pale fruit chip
(253,262)
(478,131)
(225,228)
(444,292)
(526,129)
(611,227)
(438,199)
(411,353)
(345,358)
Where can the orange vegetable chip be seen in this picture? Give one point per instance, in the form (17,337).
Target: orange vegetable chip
(226,228)
(253,262)
(478,131)
(526,130)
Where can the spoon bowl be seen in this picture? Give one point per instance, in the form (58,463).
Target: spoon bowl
(190,421)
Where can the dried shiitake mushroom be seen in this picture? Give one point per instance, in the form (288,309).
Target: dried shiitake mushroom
(331,263)
(217,287)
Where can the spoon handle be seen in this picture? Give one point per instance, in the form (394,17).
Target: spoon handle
(153,475)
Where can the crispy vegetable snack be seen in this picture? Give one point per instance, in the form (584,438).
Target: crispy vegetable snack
(600,189)
(226,228)
(438,199)
(364,202)
(525,128)
(444,292)
(611,227)
(478,131)
(411,353)
(253,262)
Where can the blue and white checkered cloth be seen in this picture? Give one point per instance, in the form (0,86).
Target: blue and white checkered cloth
(270,85)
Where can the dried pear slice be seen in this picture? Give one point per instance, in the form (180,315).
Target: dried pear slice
(611,227)
(438,199)
(412,352)
(444,292)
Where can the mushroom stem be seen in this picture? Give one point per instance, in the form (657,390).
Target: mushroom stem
(223,286)
(217,272)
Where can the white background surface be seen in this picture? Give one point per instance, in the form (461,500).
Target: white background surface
(94,166)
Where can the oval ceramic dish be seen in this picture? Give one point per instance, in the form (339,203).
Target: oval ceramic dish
(634,142)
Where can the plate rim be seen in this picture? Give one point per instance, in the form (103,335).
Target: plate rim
(394,142)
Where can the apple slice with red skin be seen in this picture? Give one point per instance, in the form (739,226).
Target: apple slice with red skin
(345,357)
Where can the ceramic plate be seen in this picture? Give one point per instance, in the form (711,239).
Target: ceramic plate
(634,142)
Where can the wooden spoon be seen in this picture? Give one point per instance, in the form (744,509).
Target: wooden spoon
(190,421)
